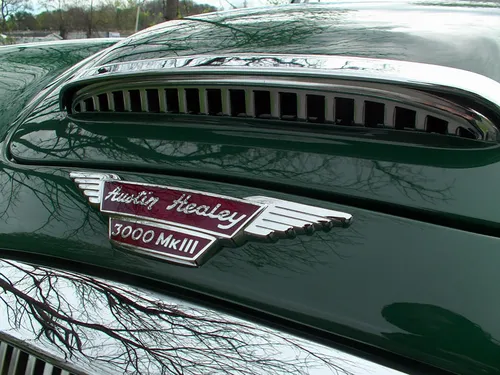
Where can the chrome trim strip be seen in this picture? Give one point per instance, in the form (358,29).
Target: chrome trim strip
(250,102)
(329,108)
(390,108)
(202,97)
(226,104)
(301,106)
(144,101)
(114,328)
(126,101)
(275,104)
(30,366)
(359,107)
(14,361)
(355,68)
(163,100)
(181,95)
(111,101)
(48,369)
(3,353)
(421,122)
(95,100)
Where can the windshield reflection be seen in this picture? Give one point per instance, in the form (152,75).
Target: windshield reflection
(452,334)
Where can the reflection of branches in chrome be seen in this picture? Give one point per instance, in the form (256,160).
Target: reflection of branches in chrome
(141,334)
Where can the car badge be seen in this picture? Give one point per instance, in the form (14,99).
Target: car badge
(181,225)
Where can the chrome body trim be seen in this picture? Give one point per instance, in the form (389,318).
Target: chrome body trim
(16,357)
(464,98)
(105,327)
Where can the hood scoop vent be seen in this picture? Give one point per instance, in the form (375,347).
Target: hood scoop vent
(375,97)
(287,105)
(14,360)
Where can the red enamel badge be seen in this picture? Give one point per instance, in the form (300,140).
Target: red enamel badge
(181,225)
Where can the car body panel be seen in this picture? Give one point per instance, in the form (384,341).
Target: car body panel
(27,68)
(430,177)
(384,281)
(415,274)
(366,169)
(108,327)
(454,34)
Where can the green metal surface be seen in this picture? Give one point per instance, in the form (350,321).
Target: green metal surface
(416,289)
(447,33)
(415,274)
(436,182)
(26,69)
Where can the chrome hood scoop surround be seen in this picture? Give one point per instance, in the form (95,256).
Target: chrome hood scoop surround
(337,90)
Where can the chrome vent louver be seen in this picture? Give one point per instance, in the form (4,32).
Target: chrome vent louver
(16,361)
(273,88)
(259,102)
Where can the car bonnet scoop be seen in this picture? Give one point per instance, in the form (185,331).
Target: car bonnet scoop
(336,90)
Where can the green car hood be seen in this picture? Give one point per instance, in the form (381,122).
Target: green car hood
(415,276)
(448,185)
(414,179)
(26,69)
(404,290)
(463,35)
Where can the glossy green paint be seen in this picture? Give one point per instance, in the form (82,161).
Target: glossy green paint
(432,178)
(416,289)
(448,33)
(402,277)
(26,69)
(395,173)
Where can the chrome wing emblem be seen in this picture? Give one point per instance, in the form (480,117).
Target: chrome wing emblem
(91,184)
(283,218)
(181,225)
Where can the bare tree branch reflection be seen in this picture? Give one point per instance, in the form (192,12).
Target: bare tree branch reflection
(132,330)
(408,180)
(25,70)
(228,33)
(53,197)
(302,162)
(300,255)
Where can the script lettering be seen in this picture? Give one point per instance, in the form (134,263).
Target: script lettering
(183,205)
(143,198)
(208,213)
